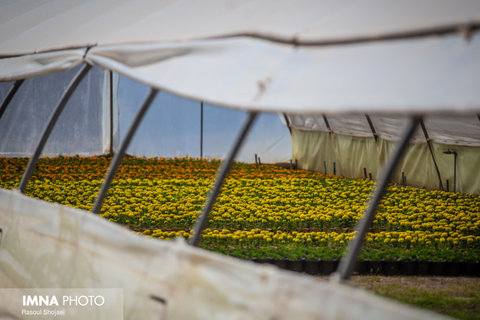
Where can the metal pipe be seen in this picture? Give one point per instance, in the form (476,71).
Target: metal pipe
(201,129)
(287,121)
(11,93)
(430,148)
(110,76)
(372,128)
(454,168)
(347,264)
(454,172)
(121,150)
(51,124)
(327,124)
(222,173)
(467,29)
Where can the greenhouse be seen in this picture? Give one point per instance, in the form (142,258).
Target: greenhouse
(340,90)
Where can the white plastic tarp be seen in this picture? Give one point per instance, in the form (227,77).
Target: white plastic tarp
(25,25)
(461,130)
(185,48)
(47,245)
(172,127)
(82,129)
(422,75)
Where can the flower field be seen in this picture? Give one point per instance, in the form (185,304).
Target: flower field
(263,211)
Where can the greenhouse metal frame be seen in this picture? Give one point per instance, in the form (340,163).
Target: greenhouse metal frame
(18,68)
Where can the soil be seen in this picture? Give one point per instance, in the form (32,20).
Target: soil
(457,297)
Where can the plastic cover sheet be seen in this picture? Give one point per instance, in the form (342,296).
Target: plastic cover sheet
(172,128)
(33,65)
(395,77)
(350,124)
(307,122)
(23,25)
(461,130)
(81,128)
(454,130)
(196,50)
(468,162)
(45,245)
(425,75)
(319,150)
(390,128)
(110,113)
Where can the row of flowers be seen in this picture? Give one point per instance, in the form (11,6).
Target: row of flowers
(79,168)
(260,206)
(286,204)
(408,239)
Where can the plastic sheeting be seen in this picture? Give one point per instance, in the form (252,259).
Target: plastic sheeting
(23,25)
(421,75)
(82,129)
(461,130)
(45,245)
(424,75)
(172,127)
(245,55)
(319,150)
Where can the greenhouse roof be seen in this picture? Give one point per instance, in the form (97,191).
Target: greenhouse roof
(305,56)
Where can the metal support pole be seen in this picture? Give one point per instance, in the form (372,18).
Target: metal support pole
(201,129)
(222,173)
(430,148)
(9,97)
(372,128)
(110,76)
(454,172)
(51,124)
(454,168)
(327,123)
(347,264)
(121,150)
(287,121)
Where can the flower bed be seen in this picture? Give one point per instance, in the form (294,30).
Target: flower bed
(263,211)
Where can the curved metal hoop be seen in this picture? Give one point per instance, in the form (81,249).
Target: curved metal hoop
(347,264)
(222,173)
(121,151)
(51,124)
(11,93)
